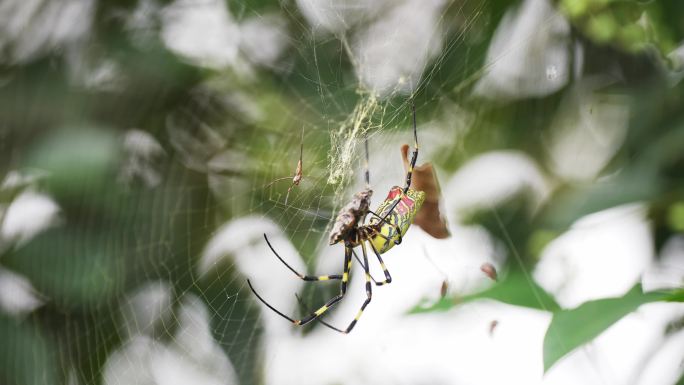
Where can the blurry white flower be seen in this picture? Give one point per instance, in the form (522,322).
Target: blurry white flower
(529,54)
(587,131)
(673,67)
(241,241)
(665,365)
(668,270)
(203,32)
(338,16)
(18,180)
(129,364)
(29,28)
(491,178)
(263,39)
(191,357)
(142,151)
(392,52)
(141,22)
(17,295)
(602,255)
(103,75)
(147,308)
(29,214)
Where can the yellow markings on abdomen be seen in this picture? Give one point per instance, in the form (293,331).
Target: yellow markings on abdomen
(400,218)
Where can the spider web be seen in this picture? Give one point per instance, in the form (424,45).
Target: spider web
(336,114)
(151,275)
(183,313)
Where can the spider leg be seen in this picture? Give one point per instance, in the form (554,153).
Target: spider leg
(269,305)
(276,180)
(302,304)
(369,292)
(288,193)
(322,309)
(364,266)
(337,298)
(369,296)
(388,277)
(300,275)
(396,228)
(313,277)
(388,280)
(414,156)
(366,167)
(412,163)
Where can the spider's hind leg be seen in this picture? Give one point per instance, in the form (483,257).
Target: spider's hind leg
(388,277)
(369,292)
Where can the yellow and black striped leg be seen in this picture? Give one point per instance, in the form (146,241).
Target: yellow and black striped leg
(395,227)
(412,163)
(369,291)
(337,298)
(414,156)
(369,296)
(388,277)
(324,308)
(298,274)
(361,263)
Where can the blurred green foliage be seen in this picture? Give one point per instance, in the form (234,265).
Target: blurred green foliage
(630,25)
(27,356)
(570,329)
(516,288)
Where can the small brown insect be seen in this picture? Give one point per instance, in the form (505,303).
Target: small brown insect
(297,178)
(444,289)
(492,326)
(489,270)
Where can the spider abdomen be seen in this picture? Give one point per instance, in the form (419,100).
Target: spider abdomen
(400,218)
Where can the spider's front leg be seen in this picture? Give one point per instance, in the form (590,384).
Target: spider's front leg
(298,274)
(411,165)
(322,309)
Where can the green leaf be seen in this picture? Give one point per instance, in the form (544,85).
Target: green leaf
(77,159)
(676,296)
(26,355)
(574,203)
(517,288)
(73,267)
(571,328)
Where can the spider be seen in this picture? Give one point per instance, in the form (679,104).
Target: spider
(388,224)
(297,177)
